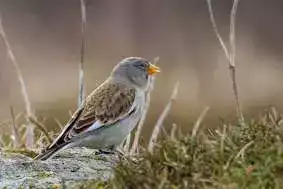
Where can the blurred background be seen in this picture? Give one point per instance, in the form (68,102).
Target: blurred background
(45,37)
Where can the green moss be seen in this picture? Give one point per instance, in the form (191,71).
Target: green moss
(94,184)
(246,156)
(22,151)
(45,174)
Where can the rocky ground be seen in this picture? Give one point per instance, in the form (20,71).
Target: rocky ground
(70,168)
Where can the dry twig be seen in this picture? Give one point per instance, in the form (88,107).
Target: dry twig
(161,119)
(199,121)
(173,132)
(11,56)
(41,127)
(82,53)
(127,144)
(230,55)
(15,131)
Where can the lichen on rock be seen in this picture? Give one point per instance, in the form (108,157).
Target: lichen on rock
(71,167)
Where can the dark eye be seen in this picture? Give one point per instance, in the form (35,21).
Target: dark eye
(141,66)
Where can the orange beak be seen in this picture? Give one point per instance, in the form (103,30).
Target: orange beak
(152,69)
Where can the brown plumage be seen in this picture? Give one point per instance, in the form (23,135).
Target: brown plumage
(107,104)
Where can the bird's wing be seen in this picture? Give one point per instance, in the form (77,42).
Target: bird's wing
(108,104)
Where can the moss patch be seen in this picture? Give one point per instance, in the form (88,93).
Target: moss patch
(22,151)
(249,155)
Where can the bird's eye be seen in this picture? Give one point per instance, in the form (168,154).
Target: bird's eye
(141,66)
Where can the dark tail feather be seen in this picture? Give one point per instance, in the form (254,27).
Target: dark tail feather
(49,153)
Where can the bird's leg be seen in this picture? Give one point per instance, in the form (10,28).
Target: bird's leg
(109,150)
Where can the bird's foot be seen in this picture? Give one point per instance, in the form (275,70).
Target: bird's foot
(99,152)
(119,154)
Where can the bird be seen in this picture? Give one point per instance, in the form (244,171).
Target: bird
(110,112)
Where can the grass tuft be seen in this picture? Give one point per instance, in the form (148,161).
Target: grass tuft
(232,156)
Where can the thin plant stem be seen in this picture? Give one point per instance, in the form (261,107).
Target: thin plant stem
(161,119)
(232,58)
(173,132)
(215,28)
(82,54)
(11,56)
(15,131)
(42,128)
(127,143)
(13,60)
(199,121)
(230,55)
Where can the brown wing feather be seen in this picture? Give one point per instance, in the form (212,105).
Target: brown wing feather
(107,104)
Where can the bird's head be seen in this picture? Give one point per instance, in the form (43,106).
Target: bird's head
(136,70)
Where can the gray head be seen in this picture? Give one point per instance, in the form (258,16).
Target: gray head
(135,70)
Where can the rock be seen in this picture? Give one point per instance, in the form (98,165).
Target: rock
(70,168)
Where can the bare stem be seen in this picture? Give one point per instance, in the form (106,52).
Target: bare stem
(230,55)
(215,28)
(127,143)
(15,131)
(161,119)
(232,58)
(41,127)
(232,32)
(240,153)
(236,94)
(173,132)
(199,121)
(82,53)
(13,60)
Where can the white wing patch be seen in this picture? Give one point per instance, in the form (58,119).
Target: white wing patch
(94,126)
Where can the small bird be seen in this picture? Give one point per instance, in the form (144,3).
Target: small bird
(110,112)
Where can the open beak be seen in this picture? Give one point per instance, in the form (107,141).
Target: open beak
(152,69)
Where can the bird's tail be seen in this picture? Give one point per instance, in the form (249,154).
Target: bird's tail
(49,153)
